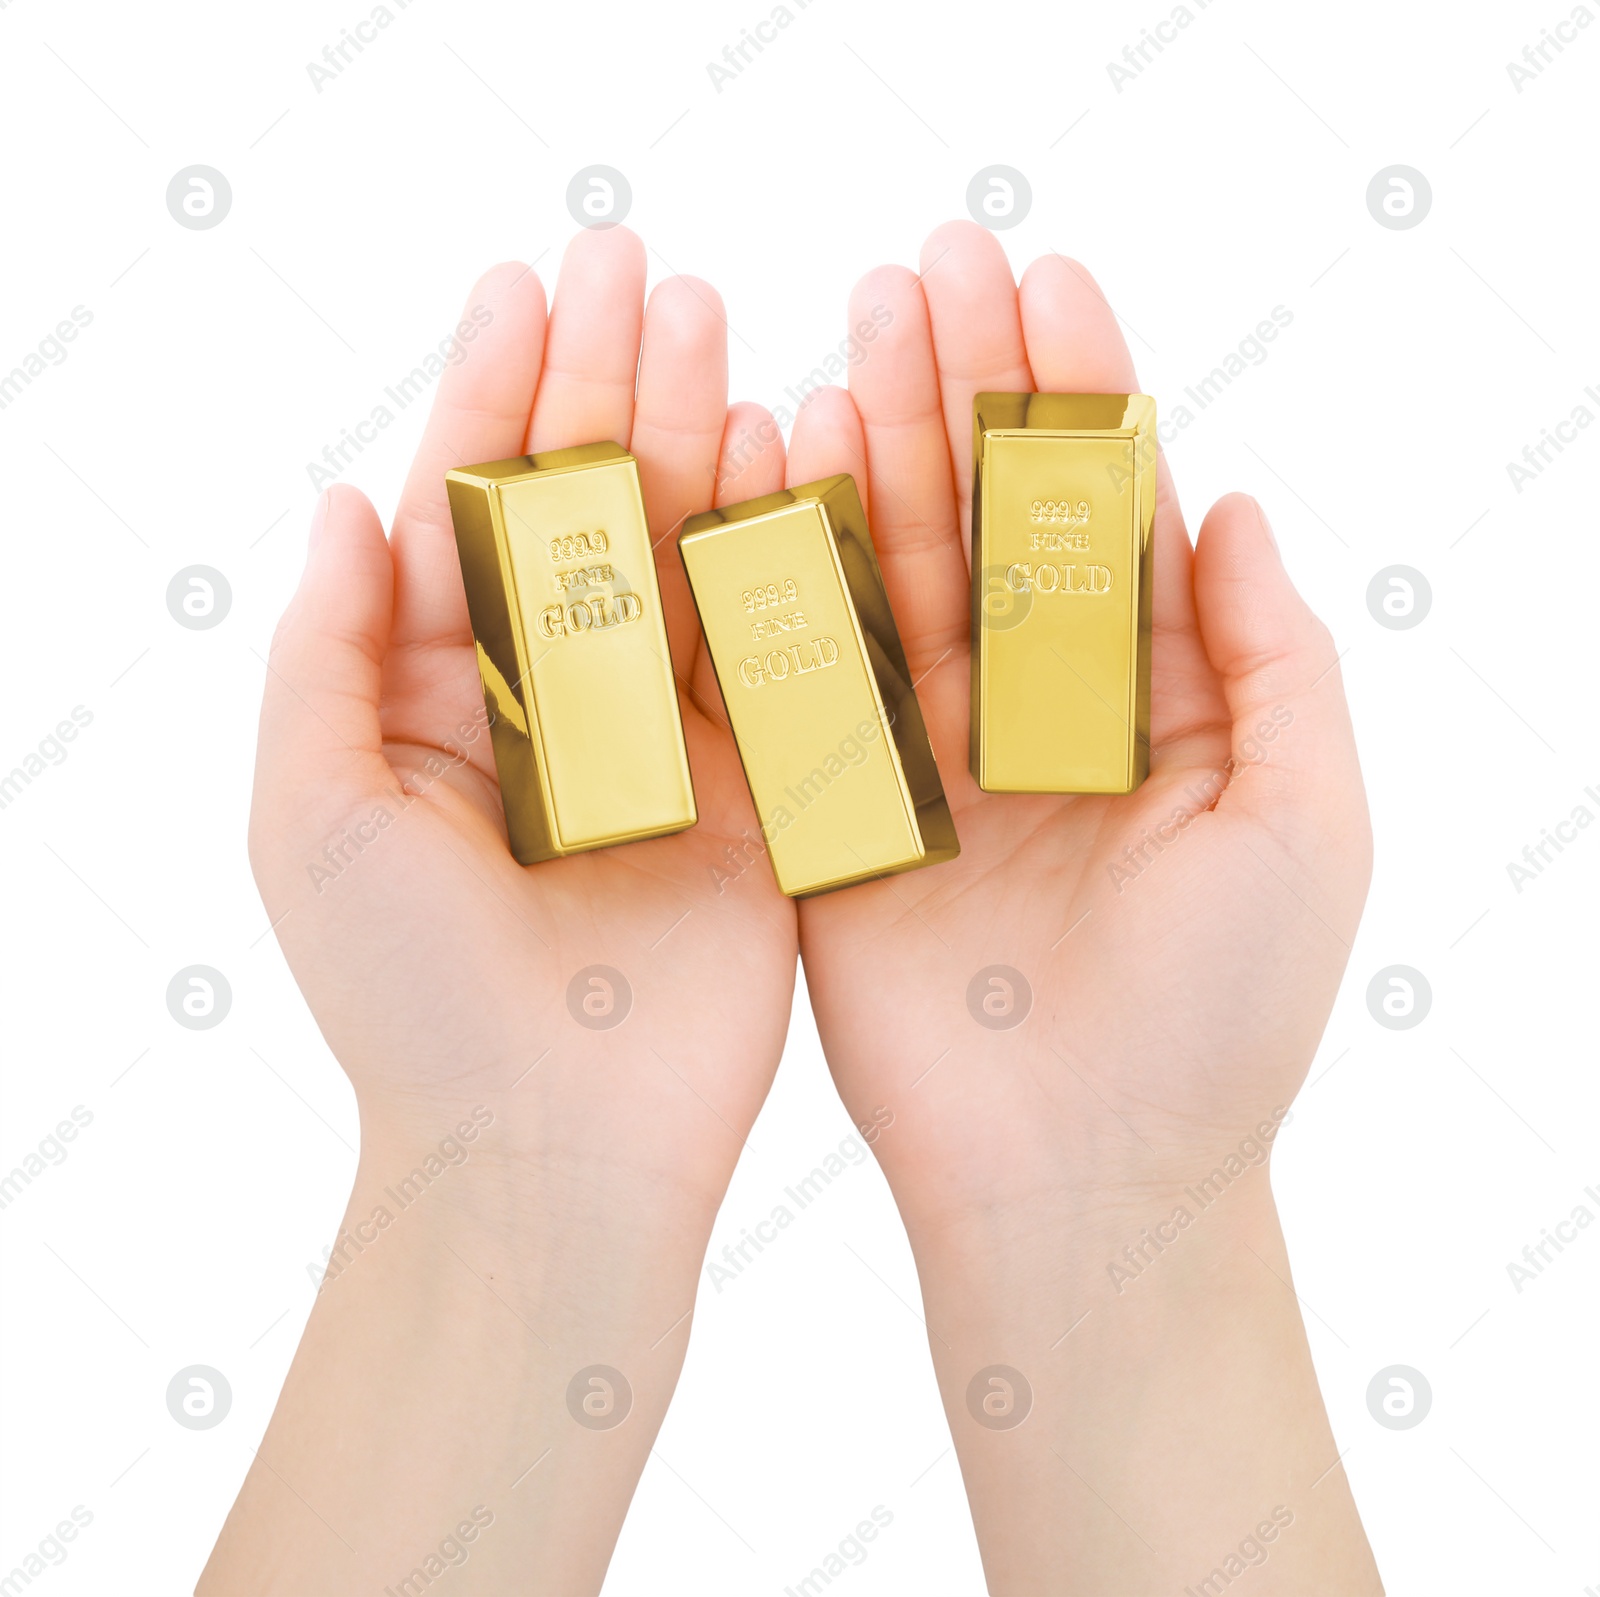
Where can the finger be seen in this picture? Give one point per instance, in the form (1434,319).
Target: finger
(320,746)
(908,474)
(977,340)
(1075,346)
(829,430)
(749,464)
(1295,764)
(479,413)
(678,422)
(827,438)
(591,356)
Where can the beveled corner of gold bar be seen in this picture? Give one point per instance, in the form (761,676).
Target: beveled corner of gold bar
(818,694)
(572,650)
(1063,511)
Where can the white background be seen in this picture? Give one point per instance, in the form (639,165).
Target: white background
(1228,178)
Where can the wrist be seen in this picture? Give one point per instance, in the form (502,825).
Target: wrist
(514,1160)
(537,1222)
(1114,1253)
(1099,1180)
(493,1338)
(1130,1392)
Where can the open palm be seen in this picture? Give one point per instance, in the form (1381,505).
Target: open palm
(438,968)
(1173,995)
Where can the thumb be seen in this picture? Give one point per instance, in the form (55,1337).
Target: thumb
(320,744)
(1296,771)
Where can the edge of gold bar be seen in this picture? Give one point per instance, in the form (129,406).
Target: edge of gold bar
(572,650)
(1063,510)
(835,751)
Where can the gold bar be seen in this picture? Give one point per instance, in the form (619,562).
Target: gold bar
(798,627)
(572,649)
(1063,506)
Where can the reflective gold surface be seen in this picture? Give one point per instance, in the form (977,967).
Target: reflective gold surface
(572,650)
(1063,505)
(798,627)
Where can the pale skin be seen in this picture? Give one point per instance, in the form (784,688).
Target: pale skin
(1172,1012)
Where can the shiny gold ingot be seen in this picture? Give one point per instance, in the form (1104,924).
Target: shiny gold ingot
(1063,506)
(572,650)
(798,627)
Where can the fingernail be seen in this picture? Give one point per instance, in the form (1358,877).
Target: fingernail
(318,516)
(1266,526)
